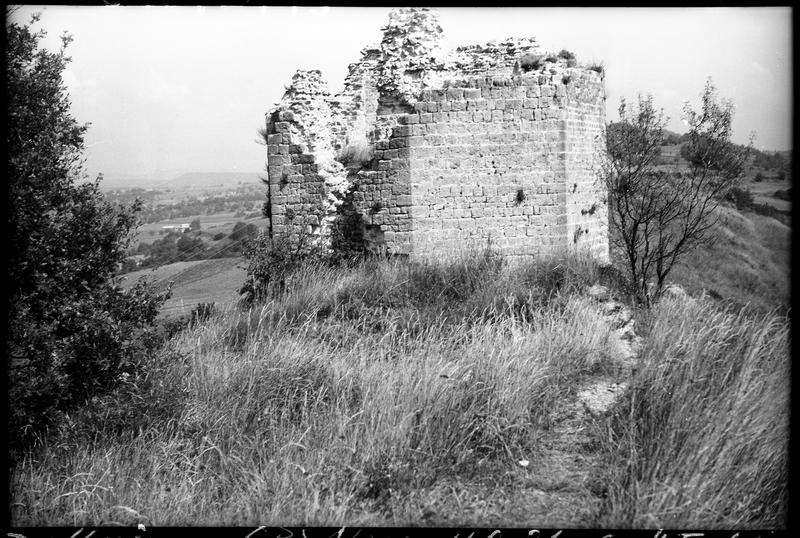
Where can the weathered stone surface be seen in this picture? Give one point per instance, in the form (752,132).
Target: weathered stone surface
(464,150)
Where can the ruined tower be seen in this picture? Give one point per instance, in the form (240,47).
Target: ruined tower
(428,153)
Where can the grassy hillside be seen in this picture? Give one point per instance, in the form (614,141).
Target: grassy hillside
(746,261)
(439,395)
(207,281)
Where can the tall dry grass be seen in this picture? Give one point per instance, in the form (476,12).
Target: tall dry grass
(701,440)
(343,398)
(329,405)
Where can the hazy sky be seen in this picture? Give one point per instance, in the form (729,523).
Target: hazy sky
(170,90)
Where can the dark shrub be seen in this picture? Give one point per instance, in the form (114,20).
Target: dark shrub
(272,262)
(567,55)
(741,198)
(599,68)
(572,61)
(243,230)
(530,62)
(784,194)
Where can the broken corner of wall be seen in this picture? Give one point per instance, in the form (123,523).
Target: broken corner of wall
(423,153)
(306,183)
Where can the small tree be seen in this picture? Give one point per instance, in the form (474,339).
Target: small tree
(658,214)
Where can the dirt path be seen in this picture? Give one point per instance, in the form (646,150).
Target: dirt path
(561,484)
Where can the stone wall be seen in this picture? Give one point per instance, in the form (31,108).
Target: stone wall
(306,183)
(586,197)
(481,147)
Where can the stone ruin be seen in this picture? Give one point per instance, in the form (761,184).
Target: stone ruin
(425,153)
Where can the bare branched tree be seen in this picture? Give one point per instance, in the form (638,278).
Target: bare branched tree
(658,213)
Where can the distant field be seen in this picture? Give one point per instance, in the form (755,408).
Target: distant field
(763,192)
(206,281)
(213,224)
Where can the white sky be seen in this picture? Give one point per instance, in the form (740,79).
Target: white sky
(170,90)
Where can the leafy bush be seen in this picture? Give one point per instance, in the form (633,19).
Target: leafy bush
(243,230)
(530,62)
(741,198)
(190,247)
(150,396)
(72,330)
(567,55)
(572,61)
(271,263)
(759,177)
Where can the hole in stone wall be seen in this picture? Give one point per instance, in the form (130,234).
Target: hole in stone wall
(589,211)
(290,214)
(520,196)
(347,238)
(377,206)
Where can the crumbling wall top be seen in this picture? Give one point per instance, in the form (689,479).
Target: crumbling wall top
(305,104)
(410,47)
(493,58)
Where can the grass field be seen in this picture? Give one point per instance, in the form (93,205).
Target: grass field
(763,192)
(443,394)
(207,281)
(212,224)
(746,261)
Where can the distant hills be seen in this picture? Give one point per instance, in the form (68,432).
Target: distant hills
(191,180)
(209,179)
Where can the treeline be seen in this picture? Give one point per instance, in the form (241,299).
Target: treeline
(129,196)
(216,204)
(764,160)
(743,200)
(191,246)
